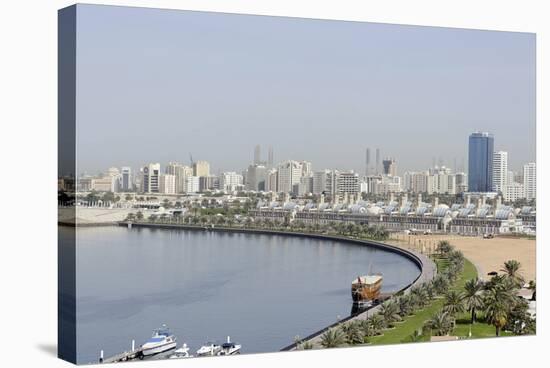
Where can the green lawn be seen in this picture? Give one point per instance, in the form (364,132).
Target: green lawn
(405,329)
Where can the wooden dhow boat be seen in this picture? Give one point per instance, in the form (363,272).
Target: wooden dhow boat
(366,289)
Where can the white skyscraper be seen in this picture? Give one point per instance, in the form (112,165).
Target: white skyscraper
(348,182)
(416,182)
(530,180)
(325,181)
(181,173)
(500,171)
(271,180)
(230,181)
(167,184)
(306,168)
(150,181)
(511,177)
(514,191)
(192,184)
(289,174)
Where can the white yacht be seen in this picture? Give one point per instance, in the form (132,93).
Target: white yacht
(161,341)
(210,348)
(230,348)
(182,352)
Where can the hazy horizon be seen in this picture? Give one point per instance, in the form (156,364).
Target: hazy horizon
(156,85)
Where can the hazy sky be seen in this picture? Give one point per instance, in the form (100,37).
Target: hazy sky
(154,85)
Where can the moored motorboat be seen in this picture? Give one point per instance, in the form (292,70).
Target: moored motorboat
(182,352)
(230,348)
(161,341)
(210,348)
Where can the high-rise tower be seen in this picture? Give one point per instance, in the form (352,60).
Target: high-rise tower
(480,162)
(257,154)
(378,161)
(367,162)
(270,157)
(500,171)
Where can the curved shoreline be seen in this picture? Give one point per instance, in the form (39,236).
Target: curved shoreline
(425,265)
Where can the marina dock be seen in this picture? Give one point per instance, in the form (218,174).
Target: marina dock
(136,354)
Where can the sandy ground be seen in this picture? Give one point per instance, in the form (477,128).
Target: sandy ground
(97,215)
(487,254)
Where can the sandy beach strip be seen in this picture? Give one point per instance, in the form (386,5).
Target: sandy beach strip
(487,254)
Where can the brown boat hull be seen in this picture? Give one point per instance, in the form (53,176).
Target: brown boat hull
(361,292)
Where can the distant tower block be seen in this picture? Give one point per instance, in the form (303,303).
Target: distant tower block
(270,157)
(390,167)
(257,154)
(367,161)
(377,161)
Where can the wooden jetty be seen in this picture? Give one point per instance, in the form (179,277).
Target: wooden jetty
(124,356)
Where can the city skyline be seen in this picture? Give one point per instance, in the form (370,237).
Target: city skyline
(312,88)
(263,159)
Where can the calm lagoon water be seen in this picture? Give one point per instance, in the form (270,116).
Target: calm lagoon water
(262,290)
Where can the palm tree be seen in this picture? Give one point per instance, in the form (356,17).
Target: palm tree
(440,324)
(497,307)
(420,295)
(406,305)
(430,292)
(333,338)
(441,283)
(444,247)
(306,345)
(416,336)
(520,321)
(353,333)
(390,312)
(365,328)
(376,323)
(501,282)
(473,297)
(457,258)
(453,303)
(512,270)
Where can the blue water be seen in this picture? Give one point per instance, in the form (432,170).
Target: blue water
(263,290)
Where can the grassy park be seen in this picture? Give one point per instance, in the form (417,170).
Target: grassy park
(455,303)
